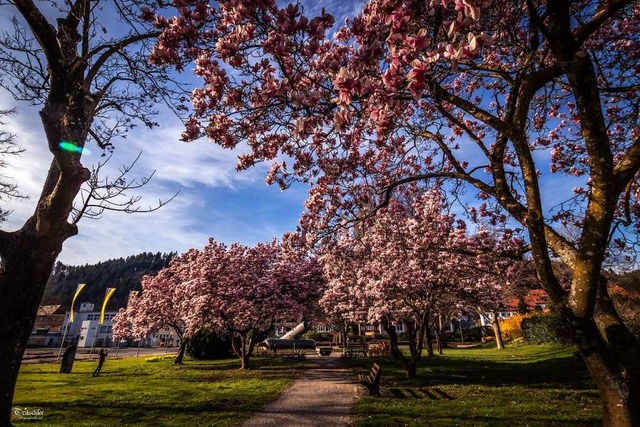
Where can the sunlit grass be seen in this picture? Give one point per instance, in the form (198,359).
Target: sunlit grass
(151,393)
(544,385)
(521,386)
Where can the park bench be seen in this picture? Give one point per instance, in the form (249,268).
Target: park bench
(371,381)
(353,349)
(324,351)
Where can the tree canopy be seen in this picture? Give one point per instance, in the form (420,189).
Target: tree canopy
(487,95)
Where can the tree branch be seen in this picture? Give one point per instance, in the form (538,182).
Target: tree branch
(42,30)
(610,8)
(628,167)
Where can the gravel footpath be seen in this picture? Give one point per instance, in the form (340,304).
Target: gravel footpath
(323,396)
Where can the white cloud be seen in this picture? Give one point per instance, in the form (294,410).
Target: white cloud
(215,200)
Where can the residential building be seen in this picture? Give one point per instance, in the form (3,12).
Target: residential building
(535,299)
(46,329)
(86,328)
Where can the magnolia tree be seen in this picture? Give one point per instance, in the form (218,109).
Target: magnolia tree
(251,286)
(489,95)
(236,290)
(344,301)
(396,269)
(495,274)
(408,271)
(162,304)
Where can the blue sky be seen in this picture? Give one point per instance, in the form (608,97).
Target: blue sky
(214,199)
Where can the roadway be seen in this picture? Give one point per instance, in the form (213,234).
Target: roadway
(49,355)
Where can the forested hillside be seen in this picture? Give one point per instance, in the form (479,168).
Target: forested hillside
(124,274)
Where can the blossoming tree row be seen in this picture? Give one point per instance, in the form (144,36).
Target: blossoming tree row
(235,290)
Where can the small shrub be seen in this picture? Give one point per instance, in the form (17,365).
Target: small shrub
(548,327)
(159,358)
(511,328)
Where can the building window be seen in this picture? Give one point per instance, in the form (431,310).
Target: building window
(103,329)
(399,328)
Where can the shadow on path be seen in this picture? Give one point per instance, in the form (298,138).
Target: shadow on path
(322,396)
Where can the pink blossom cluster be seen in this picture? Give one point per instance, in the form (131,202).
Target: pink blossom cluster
(237,290)
(413,260)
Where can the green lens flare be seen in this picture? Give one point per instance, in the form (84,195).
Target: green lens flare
(71,147)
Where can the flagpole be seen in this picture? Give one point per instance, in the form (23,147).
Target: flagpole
(107,295)
(64,337)
(79,288)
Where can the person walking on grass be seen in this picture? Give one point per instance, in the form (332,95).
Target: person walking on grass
(103,355)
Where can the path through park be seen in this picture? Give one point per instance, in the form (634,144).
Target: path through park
(322,396)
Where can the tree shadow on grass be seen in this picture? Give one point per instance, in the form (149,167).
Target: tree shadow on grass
(559,372)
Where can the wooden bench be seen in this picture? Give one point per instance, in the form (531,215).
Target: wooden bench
(324,351)
(371,381)
(357,348)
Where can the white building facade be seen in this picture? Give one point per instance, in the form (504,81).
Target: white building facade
(86,328)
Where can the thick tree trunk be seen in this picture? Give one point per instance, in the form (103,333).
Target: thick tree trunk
(26,266)
(245,360)
(180,356)
(495,324)
(393,340)
(620,393)
(240,348)
(411,368)
(415,347)
(428,337)
(612,356)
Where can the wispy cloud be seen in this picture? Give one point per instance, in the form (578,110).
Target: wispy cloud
(214,199)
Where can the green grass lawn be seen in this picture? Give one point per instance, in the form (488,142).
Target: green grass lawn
(136,392)
(544,385)
(520,386)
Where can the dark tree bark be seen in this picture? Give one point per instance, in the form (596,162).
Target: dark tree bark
(73,78)
(180,356)
(429,337)
(243,344)
(416,335)
(497,332)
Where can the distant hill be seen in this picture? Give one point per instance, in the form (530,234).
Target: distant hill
(124,274)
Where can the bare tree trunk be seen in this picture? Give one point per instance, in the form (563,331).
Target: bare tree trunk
(245,355)
(410,367)
(429,337)
(239,344)
(440,335)
(180,356)
(415,347)
(612,356)
(25,270)
(495,324)
(27,257)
